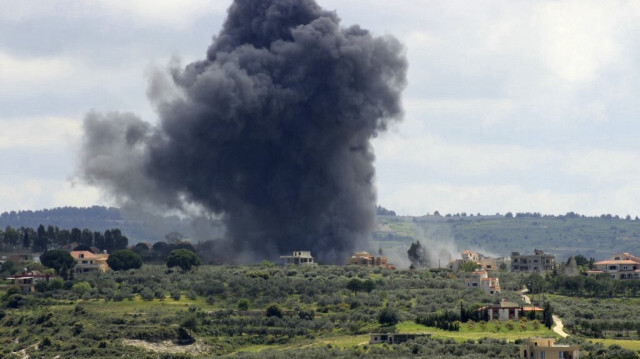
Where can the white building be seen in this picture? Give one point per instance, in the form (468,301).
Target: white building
(299,258)
(480,279)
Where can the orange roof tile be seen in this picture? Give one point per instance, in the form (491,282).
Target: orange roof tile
(624,261)
(86,254)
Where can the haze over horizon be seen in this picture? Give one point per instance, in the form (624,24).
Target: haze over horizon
(503,111)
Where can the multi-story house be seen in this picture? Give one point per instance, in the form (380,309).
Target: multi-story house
(546,348)
(620,266)
(538,262)
(480,279)
(299,258)
(87,261)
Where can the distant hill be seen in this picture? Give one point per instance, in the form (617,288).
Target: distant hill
(567,235)
(96,218)
(563,236)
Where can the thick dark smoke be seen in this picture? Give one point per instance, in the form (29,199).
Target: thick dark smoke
(271,132)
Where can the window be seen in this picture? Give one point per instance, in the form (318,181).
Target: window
(542,355)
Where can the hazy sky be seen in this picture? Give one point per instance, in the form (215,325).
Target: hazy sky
(511,105)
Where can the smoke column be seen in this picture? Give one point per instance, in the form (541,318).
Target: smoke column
(271,132)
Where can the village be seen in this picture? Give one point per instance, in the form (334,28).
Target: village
(478,272)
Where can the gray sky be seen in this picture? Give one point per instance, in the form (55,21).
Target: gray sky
(511,105)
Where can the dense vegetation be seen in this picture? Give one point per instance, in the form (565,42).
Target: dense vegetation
(42,239)
(264,311)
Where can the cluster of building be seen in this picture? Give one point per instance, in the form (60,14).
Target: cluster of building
(358,258)
(86,261)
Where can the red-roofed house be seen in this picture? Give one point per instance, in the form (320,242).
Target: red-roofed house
(28,279)
(87,261)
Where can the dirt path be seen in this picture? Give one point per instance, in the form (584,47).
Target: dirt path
(525,298)
(558,327)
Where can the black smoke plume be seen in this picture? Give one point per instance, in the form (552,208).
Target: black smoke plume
(271,132)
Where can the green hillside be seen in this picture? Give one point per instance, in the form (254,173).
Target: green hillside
(563,235)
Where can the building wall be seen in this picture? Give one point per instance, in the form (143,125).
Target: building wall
(534,263)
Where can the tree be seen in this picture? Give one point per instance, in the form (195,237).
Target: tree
(119,241)
(418,255)
(40,241)
(59,260)
(124,259)
(82,247)
(468,266)
(547,315)
(535,283)
(571,268)
(273,311)
(183,258)
(76,235)
(388,316)
(86,237)
(8,267)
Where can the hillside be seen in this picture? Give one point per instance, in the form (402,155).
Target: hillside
(96,218)
(564,236)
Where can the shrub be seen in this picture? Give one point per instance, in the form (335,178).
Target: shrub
(388,316)
(273,311)
(81,287)
(243,304)
(147,294)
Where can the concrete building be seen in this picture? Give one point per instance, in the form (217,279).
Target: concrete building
(546,348)
(480,279)
(538,262)
(19,257)
(483,263)
(87,261)
(620,266)
(299,258)
(28,279)
(367,260)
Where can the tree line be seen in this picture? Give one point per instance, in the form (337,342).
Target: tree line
(44,238)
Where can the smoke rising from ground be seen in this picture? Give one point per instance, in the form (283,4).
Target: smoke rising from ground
(271,132)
